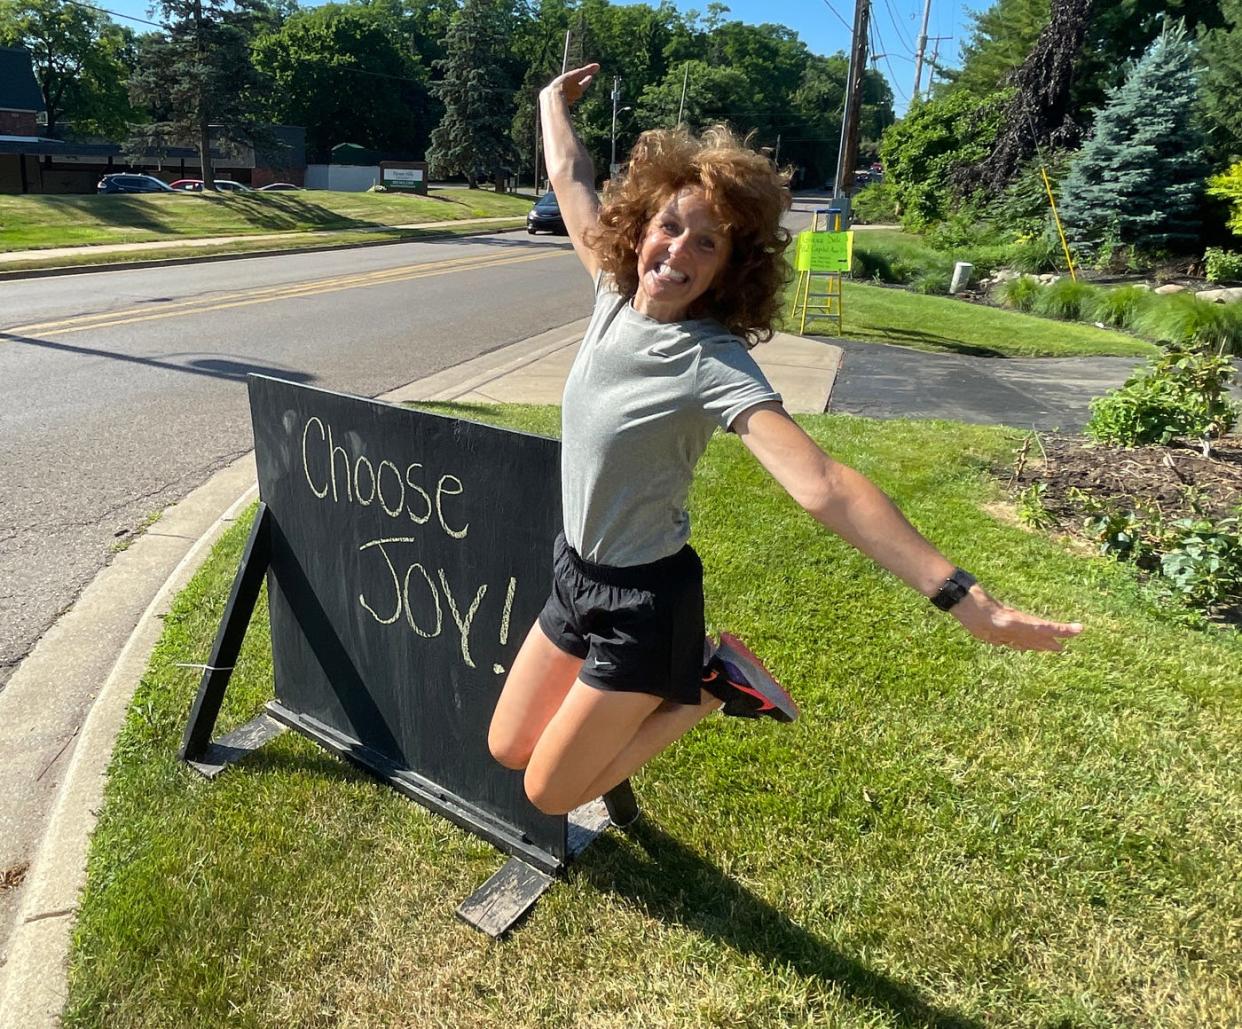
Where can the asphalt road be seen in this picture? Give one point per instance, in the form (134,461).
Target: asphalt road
(124,390)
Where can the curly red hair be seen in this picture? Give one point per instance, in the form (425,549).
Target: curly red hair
(748,195)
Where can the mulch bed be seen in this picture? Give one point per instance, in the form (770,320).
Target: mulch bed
(1169,480)
(1174,482)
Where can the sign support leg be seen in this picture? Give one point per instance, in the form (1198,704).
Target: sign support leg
(196,746)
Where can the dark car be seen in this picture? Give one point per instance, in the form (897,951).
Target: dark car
(128,182)
(545,216)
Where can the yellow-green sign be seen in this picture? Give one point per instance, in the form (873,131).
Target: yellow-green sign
(824,252)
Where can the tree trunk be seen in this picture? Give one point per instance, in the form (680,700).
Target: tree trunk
(204,132)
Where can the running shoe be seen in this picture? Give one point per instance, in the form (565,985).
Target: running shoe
(736,676)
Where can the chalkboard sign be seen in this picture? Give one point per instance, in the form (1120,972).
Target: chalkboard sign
(410,553)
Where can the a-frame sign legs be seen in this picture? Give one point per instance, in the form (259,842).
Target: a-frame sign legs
(197,748)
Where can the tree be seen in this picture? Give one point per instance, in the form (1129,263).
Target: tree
(1000,39)
(937,137)
(1221,82)
(713,94)
(78,56)
(812,137)
(340,71)
(477,92)
(198,73)
(1139,180)
(1038,111)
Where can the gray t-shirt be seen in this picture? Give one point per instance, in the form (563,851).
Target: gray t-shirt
(640,404)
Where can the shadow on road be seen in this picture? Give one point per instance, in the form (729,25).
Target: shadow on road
(212,367)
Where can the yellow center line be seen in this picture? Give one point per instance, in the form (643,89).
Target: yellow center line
(245,298)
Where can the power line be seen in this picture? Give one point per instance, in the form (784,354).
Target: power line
(114,14)
(881,53)
(901,36)
(848,27)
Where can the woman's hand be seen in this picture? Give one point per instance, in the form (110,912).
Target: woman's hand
(573,83)
(993,622)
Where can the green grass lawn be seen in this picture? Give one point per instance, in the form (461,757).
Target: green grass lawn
(317,240)
(31,222)
(950,836)
(893,315)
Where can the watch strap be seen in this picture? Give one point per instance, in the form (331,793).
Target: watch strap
(955,587)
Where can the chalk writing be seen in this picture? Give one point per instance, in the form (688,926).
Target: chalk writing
(401,600)
(329,468)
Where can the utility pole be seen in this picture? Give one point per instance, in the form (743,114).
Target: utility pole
(920,50)
(776,157)
(685,81)
(616,99)
(847,155)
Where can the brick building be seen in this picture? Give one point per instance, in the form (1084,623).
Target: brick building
(30,163)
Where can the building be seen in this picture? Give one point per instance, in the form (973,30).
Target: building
(30,163)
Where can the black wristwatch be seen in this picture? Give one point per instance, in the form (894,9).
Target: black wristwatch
(955,587)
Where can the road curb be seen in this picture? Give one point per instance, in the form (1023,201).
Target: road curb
(33,989)
(34,977)
(168,262)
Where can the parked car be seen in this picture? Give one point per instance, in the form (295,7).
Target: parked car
(224,185)
(132,182)
(277,187)
(545,216)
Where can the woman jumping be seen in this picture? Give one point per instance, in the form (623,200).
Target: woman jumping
(686,253)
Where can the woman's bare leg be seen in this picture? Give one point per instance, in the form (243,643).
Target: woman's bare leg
(585,735)
(541,676)
(662,728)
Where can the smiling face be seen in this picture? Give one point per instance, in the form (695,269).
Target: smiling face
(682,251)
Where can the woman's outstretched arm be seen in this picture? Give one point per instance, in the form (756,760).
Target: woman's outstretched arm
(856,510)
(569,165)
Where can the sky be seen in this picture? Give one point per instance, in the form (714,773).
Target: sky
(822,24)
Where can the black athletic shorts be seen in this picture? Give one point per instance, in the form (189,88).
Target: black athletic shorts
(638,629)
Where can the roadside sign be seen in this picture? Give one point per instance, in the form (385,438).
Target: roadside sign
(822,252)
(404,176)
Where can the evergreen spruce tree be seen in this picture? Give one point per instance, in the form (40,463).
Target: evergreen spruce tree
(473,138)
(197,78)
(1139,180)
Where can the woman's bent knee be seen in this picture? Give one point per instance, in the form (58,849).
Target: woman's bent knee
(507,751)
(546,797)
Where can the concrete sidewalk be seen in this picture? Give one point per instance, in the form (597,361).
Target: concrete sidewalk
(109,633)
(533,372)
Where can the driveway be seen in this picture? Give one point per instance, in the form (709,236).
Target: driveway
(1046,393)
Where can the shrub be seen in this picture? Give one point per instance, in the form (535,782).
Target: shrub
(1122,307)
(931,282)
(1183,320)
(1222,265)
(1037,254)
(1228,186)
(1066,300)
(1182,393)
(1197,559)
(937,136)
(875,203)
(1020,293)
(871,264)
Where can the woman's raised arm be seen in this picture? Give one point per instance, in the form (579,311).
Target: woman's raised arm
(569,165)
(847,503)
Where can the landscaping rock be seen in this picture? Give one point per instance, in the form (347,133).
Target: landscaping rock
(1223,295)
(1170,287)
